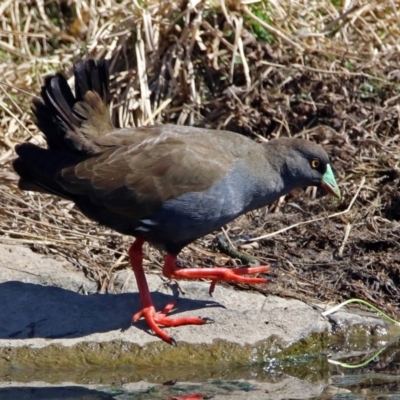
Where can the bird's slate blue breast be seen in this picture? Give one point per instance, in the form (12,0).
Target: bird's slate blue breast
(195,214)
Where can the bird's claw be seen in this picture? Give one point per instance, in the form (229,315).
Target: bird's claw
(156,319)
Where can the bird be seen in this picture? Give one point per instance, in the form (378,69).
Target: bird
(167,185)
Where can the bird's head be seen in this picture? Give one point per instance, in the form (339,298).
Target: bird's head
(306,164)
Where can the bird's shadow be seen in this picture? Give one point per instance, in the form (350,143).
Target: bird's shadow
(60,392)
(34,311)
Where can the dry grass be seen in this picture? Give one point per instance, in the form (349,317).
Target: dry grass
(323,70)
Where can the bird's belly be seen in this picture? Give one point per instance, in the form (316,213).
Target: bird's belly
(187,218)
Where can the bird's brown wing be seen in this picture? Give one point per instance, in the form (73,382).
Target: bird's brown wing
(136,180)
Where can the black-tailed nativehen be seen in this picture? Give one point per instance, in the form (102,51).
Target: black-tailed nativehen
(165,184)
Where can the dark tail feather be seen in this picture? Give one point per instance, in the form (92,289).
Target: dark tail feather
(55,113)
(92,76)
(38,168)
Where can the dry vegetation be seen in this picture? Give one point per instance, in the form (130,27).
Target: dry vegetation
(325,70)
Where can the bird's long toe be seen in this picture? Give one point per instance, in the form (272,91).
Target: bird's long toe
(236,275)
(156,319)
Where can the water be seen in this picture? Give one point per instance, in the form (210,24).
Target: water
(300,377)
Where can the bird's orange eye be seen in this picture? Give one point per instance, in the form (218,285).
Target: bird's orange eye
(315,163)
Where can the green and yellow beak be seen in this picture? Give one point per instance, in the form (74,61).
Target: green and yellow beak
(329,183)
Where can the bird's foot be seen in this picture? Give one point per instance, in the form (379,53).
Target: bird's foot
(171,271)
(153,318)
(156,319)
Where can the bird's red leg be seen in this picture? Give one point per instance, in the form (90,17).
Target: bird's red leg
(170,270)
(148,312)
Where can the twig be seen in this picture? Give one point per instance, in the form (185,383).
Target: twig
(346,236)
(268,235)
(341,18)
(12,114)
(227,237)
(157,111)
(17,88)
(275,31)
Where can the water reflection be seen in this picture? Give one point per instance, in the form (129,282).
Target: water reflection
(304,377)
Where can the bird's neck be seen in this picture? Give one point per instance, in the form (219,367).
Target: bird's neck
(268,184)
